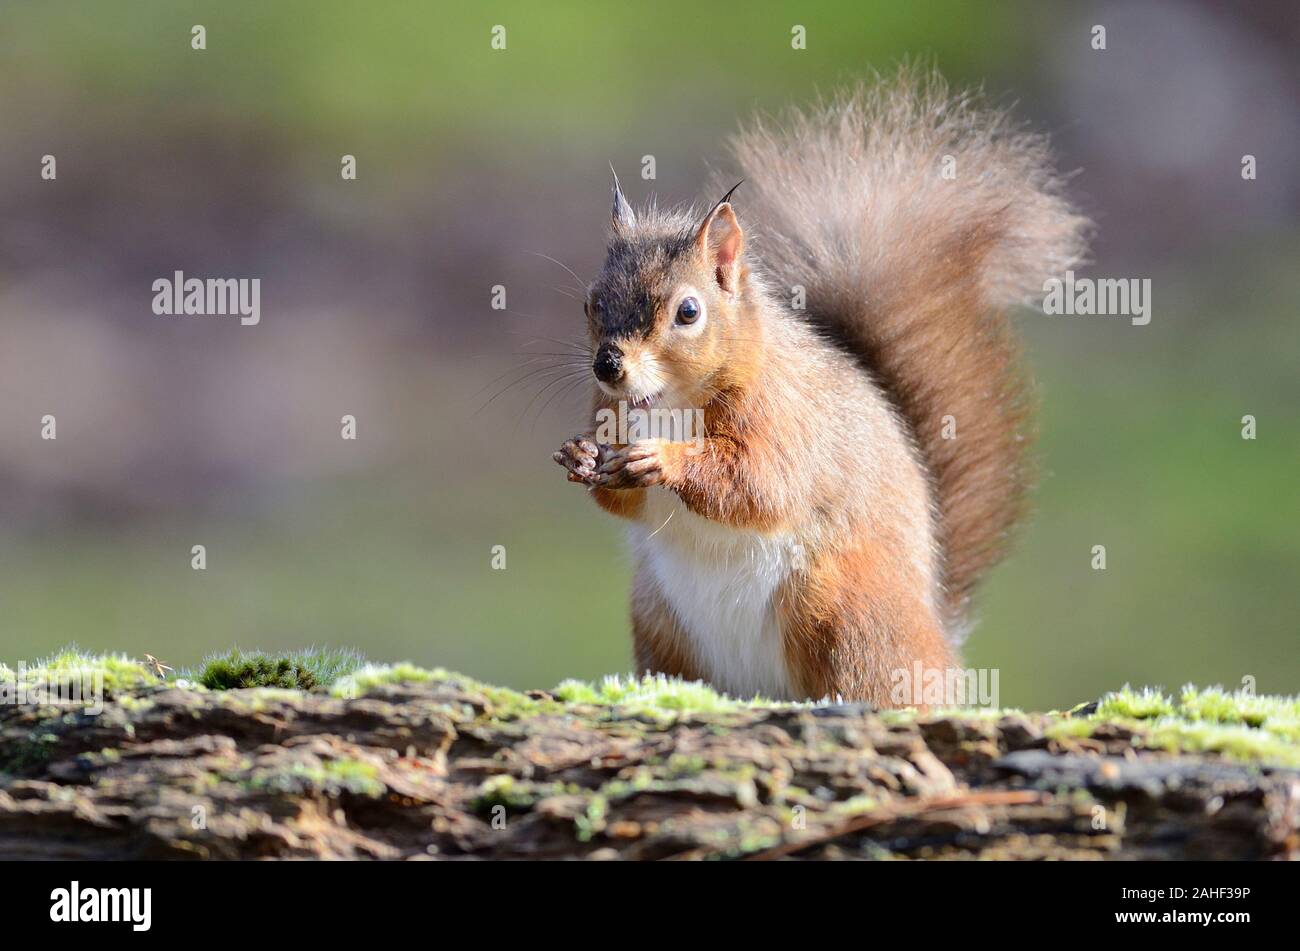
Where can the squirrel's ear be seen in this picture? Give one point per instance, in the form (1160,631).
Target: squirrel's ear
(720,242)
(623,217)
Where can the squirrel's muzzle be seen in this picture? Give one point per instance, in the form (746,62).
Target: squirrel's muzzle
(608,365)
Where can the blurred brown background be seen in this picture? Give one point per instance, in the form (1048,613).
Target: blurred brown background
(472,164)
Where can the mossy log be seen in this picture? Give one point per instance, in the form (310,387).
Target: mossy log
(446,768)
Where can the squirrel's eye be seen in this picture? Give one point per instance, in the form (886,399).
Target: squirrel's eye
(688,311)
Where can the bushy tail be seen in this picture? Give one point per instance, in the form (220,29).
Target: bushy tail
(914,219)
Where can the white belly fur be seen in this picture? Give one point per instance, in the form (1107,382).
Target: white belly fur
(721,584)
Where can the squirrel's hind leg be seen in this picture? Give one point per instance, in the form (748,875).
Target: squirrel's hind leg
(659,645)
(858,627)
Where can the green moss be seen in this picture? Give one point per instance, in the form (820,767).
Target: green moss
(30,754)
(592,820)
(678,765)
(300,670)
(1216,705)
(502,791)
(516,795)
(238,673)
(1237,725)
(1233,724)
(507,704)
(359,681)
(118,671)
(1069,729)
(1144,704)
(259,699)
(1242,743)
(856,805)
(332,777)
(651,693)
(132,703)
(753,834)
(972,714)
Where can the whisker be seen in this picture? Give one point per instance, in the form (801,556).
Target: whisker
(581,284)
(572,342)
(564,391)
(518,382)
(538,395)
(671,513)
(516,369)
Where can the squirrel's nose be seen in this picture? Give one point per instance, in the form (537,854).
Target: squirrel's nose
(608,365)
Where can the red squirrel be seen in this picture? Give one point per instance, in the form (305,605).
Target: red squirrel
(843,328)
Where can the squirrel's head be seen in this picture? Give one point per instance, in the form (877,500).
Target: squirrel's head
(666,313)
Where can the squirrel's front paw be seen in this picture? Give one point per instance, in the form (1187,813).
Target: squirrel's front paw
(579,456)
(637,466)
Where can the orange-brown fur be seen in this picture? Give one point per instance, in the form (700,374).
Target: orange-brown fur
(825,463)
(855,595)
(920,284)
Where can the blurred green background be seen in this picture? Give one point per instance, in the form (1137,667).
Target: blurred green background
(473,163)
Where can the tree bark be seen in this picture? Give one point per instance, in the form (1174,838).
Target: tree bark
(452,770)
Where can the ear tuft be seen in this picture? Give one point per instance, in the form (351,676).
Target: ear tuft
(624,218)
